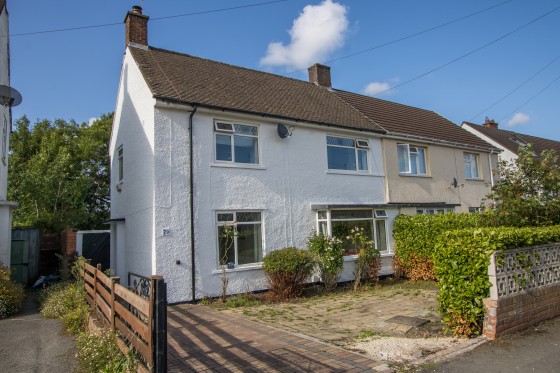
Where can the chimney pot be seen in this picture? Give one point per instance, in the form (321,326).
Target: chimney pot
(490,123)
(136,27)
(320,75)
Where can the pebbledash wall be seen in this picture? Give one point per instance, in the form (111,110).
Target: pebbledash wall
(292,175)
(525,289)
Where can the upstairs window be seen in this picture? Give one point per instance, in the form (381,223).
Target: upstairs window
(120,154)
(412,159)
(236,143)
(471,166)
(347,154)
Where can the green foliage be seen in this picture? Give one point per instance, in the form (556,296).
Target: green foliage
(65,301)
(368,261)
(11,294)
(416,237)
(461,266)
(59,173)
(286,270)
(527,192)
(328,254)
(100,353)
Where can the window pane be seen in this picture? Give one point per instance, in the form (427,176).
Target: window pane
(341,158)
(226,252)
(340,141)
(248,216)
(404,160)
(342,229)
(381,235)
(249,243)
(351,214)
(323,228)
(321,214)
(362,160)
(225,217)
(223,147)
(246,149)
(467,166)
(421,161)
(246,130)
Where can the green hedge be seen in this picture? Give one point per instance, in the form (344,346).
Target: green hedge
(416,237)
(461,260)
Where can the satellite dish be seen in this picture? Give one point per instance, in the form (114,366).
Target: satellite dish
(454,184)
(283,131)
(9,96)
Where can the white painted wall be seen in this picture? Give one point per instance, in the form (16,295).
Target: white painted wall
(506,154)
(132,250)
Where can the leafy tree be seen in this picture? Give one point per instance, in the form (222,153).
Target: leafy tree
(527,192)
(59,173)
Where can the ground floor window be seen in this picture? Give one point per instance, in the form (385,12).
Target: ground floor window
(339,223)
(239,238)
(435,210)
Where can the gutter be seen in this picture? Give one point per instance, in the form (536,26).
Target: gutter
(191,203)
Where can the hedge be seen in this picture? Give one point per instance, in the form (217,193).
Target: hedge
(461,260)
(416,237)
(286,270)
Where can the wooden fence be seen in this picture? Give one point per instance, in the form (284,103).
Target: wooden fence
(140,323)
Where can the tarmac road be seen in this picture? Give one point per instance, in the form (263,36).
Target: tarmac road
(534,350)
(31,343)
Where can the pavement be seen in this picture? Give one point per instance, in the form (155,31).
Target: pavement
(31,343)
(534,350)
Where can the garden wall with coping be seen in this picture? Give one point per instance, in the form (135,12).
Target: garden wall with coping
(525,289)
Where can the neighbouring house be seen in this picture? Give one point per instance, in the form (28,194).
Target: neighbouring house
(7,100)
(508,141)
(197,145)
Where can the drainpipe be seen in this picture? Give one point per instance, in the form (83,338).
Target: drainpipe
(490,164)
(191,190)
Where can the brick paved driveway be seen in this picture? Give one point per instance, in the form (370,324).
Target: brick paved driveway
(201,339)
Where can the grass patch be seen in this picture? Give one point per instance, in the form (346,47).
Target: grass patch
(367,333)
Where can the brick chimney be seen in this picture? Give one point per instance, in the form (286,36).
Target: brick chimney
(490,123)
(320,75)
(136,27)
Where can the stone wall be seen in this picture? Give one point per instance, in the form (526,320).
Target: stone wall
(525,289)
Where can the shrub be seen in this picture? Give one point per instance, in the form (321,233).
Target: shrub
(65,301)
(368,261)
(416,237)
(461,266)
(286,270)
(328,255)
(100,353)
(11,294)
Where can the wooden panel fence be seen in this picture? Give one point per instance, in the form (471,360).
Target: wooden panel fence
(140,323)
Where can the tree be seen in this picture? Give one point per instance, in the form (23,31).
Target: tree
(59,173)
(527,192)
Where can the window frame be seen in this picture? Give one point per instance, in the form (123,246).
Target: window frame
(409,159)
(324,218)
(232,134)
(120,163)
(235,246)
(476,158)
(434,210)
(358,147)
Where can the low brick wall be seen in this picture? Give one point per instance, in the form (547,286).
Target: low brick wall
(525,289)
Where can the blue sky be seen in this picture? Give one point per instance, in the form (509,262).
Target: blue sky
(74,74)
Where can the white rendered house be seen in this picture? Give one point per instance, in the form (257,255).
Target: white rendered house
(197,144)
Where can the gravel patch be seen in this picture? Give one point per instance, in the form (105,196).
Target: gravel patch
(403,350)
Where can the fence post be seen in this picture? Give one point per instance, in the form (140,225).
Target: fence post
(159,332)
(114,280)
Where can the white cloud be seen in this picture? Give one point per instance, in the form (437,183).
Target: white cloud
(518,118)
(91,120)
(318,31)
(375,88)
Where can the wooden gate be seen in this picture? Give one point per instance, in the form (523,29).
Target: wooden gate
(25,253)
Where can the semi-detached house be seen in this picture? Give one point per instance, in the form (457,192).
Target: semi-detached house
(198,144)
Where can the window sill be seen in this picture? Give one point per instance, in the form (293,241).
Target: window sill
(474,179)
(352,258)
(238,165)
(249,267)
(354,173)
(413,175)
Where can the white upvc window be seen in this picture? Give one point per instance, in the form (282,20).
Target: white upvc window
(339,224)
(435,210)
(471,166)
(120,160)
(348,154)
(236,143)
(412,159)
(243,245)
